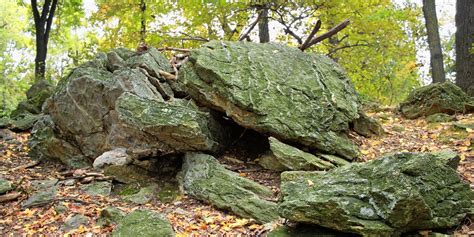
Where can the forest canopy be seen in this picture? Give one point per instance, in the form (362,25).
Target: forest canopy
(377,49)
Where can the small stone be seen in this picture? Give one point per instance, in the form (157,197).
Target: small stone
(60,208)
(143,196)
(110,215)
(74,222)
(69,182)
(98,188)
(440,118)
(5,186)
(40,198)
(118,156)
(143,223)
(43,184)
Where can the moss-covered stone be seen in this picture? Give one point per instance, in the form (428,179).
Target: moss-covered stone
(98,188)
(144,223)
(440,118)
(24,122)
(205,179)
(5,186)
(384,197)
(144,195)
(285,157)
(277,90)
(436,98)
(366,126)
(110,215)
(306,231)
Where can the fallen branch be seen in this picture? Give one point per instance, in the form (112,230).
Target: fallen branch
(174,49)
(328,34)
(26,166)
(39,204)
(251,27)
(167,75)
(9,197)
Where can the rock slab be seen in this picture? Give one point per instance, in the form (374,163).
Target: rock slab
(276,90)
(205,179)
(384,197)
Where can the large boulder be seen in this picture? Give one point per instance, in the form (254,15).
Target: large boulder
(205,179)
(276,90)
(115,102)
(436,98)
(384,197)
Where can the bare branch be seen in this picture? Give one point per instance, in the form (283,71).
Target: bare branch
(332,51)
(174,49)
(34,7)
(50,20)
(316,28)
(251,27)
(328,34)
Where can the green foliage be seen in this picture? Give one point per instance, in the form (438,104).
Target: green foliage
(377,49)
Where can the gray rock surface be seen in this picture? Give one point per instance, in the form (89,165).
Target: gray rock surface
(276,90)
(117,156)
(205,179)
(384,197)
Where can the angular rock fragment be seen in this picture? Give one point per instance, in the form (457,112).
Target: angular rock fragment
(436,98)
(276,90)
(285,157)
(116,156)
(205,179)
(384,197)
(440,118)
(366,126)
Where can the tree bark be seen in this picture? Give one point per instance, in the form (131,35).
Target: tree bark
(143,22)
(43,24)
(263,31)
(434,42)
(464,45)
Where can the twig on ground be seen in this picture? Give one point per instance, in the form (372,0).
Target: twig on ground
(26,166)
(9,196)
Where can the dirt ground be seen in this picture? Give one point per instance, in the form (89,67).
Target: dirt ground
(194,218)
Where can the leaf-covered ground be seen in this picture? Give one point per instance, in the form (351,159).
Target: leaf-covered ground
(194,218)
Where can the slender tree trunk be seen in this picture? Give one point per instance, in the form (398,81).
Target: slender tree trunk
(43,24)
(465,45)
(263,32)
(431,22)
(143,22)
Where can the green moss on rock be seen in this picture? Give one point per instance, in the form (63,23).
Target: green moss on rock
(277,90)
(205,179)
(144,223)
(436,98)
(384,197)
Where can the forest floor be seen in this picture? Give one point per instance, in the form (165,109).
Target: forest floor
(194,218)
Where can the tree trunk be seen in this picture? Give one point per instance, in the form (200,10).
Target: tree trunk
(464,45)
(43,24)
(143,22)
(263,32)
(431,22)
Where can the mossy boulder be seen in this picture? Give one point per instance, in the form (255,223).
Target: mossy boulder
(202,177)
(116,101)
(436,98)
(285,157)
(144,223)
(385,197)
(440,118)
(276,90)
